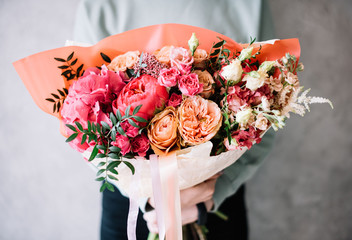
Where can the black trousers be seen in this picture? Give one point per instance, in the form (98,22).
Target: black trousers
(115,211)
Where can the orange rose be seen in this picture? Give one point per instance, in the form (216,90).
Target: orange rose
(207,80)
(162,131)
(124,61)
(200,56)
(163,55)
(200,120)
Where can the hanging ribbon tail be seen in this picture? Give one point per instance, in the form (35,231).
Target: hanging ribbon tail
(167,196)
(134,206)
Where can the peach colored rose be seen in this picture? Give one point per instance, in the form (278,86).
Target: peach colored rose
(261,122)
(182,59)
(207,80)
(124,61)
(200,56)
(163,55)
(162,130)
(200,120)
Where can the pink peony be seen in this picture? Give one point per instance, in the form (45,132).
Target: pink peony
(189,84)
(123,143)
(130,130)
(140,145)
(174,100)
(90,99)
(182,59)
(168,77)
(145,91)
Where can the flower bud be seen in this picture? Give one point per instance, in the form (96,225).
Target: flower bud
(246,53)
(266,66)
(193,43)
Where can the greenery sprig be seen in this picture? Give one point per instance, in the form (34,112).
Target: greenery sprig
(102,134)
(58,99)
(69,72)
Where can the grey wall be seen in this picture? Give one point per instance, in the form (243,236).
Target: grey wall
(302,191)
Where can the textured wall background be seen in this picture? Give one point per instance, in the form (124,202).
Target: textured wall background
(302,190)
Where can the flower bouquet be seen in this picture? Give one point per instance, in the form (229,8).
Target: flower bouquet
(158,115)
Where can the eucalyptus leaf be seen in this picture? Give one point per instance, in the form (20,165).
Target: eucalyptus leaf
(84,138)
(79,126)
(110,187)
(100,179)
(101,164)
(114,156)
(139,119)
(71,127)
(112,177)
(127,111)
(132,123)
(94,153)
(102,188)
(105,125)
(121,131)
(100,171)
(136,109)
(114,149)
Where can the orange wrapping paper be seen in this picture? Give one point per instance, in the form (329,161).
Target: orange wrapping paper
(41,76)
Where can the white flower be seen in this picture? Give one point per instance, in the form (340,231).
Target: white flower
(233,71)
(265,104)
(261,122)
(246,53)
(255,80)
(243,116)
(193,43)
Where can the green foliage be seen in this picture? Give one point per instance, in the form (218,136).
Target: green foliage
(103,135)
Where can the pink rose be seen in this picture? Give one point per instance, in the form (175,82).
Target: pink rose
(123,143)
(174,100)
(90,99)
(144,91)
(130,130)
(189,84)
(182,59)
(140,145)
(168,77)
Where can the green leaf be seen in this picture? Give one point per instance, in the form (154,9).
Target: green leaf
(101,164)
(100,171)
(128,155)
(100,179)
(61,93)
(114,156)
(130,166)
(105,57)
(94,129)
(79,69)
(219,44)
(94,153)
(105,125)
(74,62)
(50,99)
(118,114)
(60,59)
(101,155)
(98,128)
(101,147)
(70,56)
(72,137)
(110,187)
(54,108)
(102,188)
(136,109)
(216,52)
(58,106)
(112,177)
(113,165)
(66,72)
(89,126)
(113,119)
(113,134)
(84,139)
(55,96)
(114,171)
(79,126)
(65,90)
(71,127)
(114,149)
(63,67)
(139,119)
(132,123)
(127,111)
(121,131)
